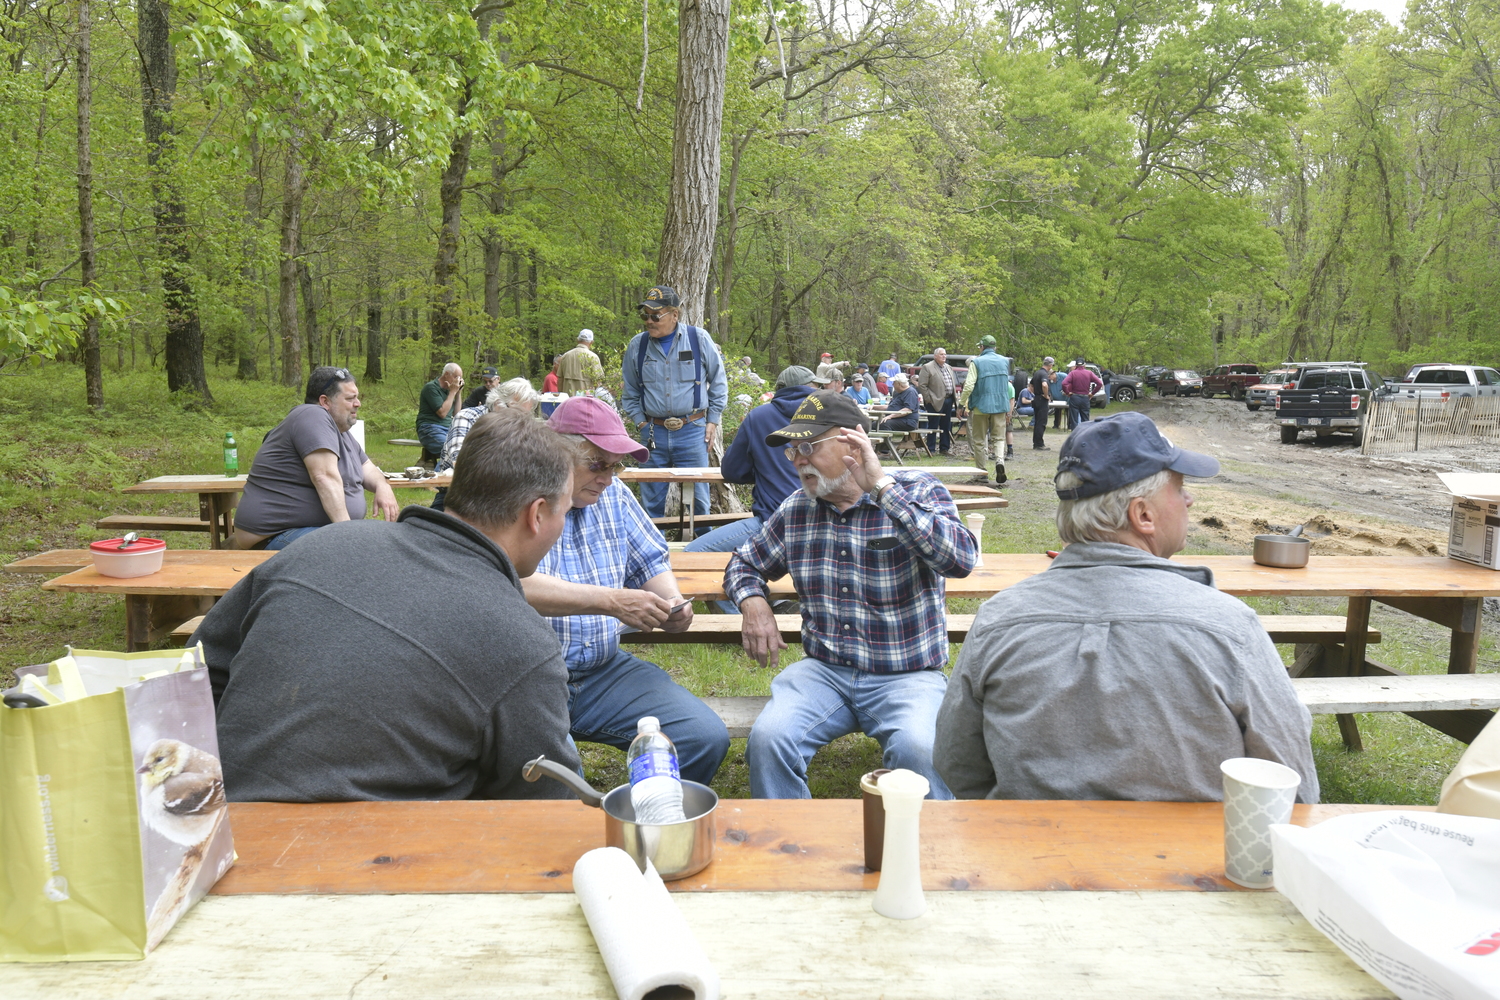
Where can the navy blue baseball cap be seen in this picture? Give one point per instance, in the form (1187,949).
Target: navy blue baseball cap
(1116,451)
(662,297)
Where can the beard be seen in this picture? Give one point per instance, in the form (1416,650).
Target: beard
(825,485)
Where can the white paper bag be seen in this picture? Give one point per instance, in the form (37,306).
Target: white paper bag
(1412,897)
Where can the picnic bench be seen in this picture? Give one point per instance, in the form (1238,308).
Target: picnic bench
(473,898)
(1445,591)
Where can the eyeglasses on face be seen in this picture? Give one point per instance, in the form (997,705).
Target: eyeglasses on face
(651,315)
(598,465)
(805,448)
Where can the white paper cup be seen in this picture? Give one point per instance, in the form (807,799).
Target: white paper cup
(1257,793)
(976,526)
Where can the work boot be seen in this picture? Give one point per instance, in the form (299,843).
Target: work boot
(1010,452)
(1041,447)
(1000,472)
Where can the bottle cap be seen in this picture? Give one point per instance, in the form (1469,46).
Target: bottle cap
(648,724)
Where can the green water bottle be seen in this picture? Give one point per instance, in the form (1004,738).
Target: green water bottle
(231,456)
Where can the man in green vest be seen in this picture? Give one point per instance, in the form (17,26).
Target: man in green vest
(987,397)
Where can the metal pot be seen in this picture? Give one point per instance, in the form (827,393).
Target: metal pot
(1282,551)
(676,849)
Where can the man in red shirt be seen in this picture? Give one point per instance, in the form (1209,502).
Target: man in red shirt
(1079,386)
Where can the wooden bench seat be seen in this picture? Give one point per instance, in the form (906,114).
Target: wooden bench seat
(726,629)
(150,522)
(407,442)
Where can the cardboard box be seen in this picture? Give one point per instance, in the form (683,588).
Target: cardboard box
(1474,530)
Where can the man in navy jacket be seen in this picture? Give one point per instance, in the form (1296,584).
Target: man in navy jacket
(750,460)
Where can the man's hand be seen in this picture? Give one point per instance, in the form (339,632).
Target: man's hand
(680,620)
(761,638)
(452,383)
(385,501)
(864,463)
(641,609)
(709,432)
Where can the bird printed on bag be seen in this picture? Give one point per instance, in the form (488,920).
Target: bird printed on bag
(183,791)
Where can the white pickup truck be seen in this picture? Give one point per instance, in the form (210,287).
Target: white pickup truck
(1447,381)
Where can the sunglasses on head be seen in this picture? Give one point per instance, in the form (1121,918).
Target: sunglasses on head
(339,375)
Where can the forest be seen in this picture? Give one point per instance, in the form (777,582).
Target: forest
(249,188)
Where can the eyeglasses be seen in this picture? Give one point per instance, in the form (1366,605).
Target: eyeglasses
(651,315)
(597,466)
(805,448)
(339,375)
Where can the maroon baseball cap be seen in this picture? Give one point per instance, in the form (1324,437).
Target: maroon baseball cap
(599,424)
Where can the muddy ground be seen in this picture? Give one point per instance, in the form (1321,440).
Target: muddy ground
(1351,504)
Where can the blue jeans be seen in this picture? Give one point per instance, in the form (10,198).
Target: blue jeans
(280,541)
(1078,409)
(682,448)
(433,437)
(725,539)
(813,704)
(606,702)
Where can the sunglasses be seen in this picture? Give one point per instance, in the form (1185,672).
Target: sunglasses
(651,315)
(597,466)
(339,375)
(805,449)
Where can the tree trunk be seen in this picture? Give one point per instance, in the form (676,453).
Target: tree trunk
(93,368)
(687,242)
(294,185)
(445,272)
(184,342)
(245,344)
(312,337)
(725,318)
(534,314)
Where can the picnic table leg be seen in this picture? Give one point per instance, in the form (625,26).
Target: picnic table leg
(1462,617)
(1356,627)
(215,508)
(137,622)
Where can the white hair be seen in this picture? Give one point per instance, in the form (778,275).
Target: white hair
(1101,518)
(452,366)
(516,393)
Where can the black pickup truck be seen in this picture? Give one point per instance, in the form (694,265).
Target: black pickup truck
(1327,400)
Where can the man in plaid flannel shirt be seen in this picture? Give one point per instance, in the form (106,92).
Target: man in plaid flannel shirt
(868,553)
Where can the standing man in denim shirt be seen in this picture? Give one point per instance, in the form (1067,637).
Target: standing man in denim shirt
(675,391)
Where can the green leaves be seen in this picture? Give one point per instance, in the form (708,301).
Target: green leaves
(43,328)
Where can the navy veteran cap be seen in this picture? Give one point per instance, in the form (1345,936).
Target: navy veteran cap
(662,297)
(820,413)
(1116,451)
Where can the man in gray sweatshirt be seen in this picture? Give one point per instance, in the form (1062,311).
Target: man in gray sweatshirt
(1118,674)
(372,660)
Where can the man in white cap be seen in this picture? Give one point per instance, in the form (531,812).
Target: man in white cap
(1118,673)
(580,371)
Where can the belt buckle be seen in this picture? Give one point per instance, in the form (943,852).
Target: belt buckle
(673,423)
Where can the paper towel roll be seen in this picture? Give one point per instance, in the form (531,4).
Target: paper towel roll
(642,935)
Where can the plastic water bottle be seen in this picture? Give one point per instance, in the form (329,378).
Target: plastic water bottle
(231,456)
(655,784)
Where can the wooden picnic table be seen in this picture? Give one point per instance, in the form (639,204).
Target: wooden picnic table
(219,495)
(462,899)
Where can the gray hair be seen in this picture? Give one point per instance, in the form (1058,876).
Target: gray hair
(1101,518)
(508,394)
(509,461)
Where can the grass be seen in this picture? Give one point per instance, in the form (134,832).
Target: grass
(62,467)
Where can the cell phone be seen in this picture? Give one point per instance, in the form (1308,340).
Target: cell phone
(678,608)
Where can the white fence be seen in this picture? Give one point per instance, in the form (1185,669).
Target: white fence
(1402,424)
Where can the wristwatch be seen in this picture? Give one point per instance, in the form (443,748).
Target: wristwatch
(881,485)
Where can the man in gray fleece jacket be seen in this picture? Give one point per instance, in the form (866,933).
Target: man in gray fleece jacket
(1118,674)
(371,660)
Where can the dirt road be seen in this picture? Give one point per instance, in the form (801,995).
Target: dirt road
(1352,505)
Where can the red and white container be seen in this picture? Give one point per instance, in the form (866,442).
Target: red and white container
(141,557)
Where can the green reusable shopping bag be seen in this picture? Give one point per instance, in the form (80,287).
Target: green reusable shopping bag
(111,825)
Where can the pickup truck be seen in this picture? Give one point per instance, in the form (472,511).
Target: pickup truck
(1230,380)
(1447,381)
(1327,401)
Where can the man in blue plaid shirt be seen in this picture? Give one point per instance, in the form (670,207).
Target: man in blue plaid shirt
(868,553)
(608,570)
